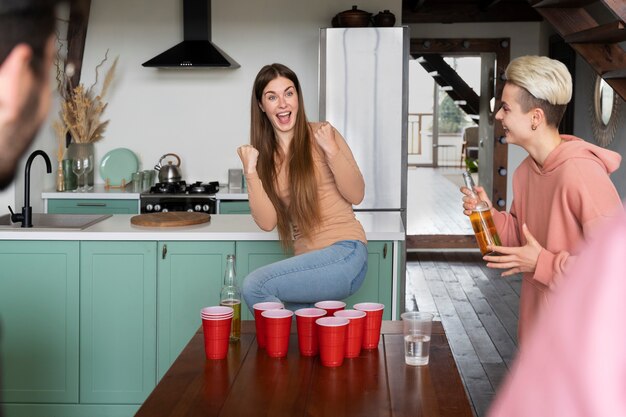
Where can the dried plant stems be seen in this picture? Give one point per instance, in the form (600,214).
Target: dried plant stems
(61,131)
(82,108)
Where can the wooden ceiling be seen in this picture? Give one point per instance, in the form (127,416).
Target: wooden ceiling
(464,11)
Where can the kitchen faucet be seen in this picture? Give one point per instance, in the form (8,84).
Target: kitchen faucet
(26,217)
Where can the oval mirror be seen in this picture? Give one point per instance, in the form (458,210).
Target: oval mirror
(604,112)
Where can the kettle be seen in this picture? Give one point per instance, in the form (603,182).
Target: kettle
(169,172)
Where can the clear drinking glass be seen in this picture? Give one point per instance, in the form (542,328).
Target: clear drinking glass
(78,167)
(88,165)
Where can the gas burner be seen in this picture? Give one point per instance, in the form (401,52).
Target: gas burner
(199,188)
(169,187)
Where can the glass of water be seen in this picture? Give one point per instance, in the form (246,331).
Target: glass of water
(417,332)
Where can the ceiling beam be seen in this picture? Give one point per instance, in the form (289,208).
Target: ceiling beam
(458,11)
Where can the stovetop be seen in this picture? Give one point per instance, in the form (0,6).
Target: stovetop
(182,188)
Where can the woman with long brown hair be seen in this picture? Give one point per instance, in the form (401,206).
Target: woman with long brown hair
(303,180)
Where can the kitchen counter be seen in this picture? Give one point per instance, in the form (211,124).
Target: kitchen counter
(238,227)
(98,192)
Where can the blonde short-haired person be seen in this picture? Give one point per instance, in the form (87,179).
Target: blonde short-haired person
(561,191)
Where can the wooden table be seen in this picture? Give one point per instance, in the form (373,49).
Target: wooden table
(250,383)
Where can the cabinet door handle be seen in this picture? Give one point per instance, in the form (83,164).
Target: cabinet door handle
(91,204)
(385,251)
(164,252)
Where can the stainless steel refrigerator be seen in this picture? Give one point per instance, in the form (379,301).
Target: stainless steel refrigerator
(363,83)
(364,94)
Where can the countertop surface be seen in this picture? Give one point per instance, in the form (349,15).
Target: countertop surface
(377,225)
(99,192)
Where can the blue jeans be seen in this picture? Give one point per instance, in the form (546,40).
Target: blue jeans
(332,273)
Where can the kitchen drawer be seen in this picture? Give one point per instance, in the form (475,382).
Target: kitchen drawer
(234,207)
(92,206)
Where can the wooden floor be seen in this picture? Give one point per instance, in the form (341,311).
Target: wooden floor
(434,202)
(478,308)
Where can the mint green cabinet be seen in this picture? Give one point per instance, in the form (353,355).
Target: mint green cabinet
(377,285)
(92,206)
(252,255)
(190,277)
(117,322)
(234,207)
(39,321)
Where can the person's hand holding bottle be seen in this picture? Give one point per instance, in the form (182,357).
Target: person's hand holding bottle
(470,201)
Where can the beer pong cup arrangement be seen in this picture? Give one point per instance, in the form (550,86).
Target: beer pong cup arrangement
(373,321)
(354,334)
(332,340)
(307,330)
(277,328)
(216,322)
(330,306)
(259,322)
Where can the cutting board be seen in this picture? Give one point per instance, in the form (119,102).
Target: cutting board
(170,219)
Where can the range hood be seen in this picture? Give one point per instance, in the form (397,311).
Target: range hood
(196,50)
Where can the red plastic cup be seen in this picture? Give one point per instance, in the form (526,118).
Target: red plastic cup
(258,319)
(332,334)
(216,337)
(330,306)
(354,336)
(277,329)
(373,321)
(307,330)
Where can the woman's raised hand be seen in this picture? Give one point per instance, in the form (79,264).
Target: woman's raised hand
(249,156)
(325,138)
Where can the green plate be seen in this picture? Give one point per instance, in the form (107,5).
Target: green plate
(117,165)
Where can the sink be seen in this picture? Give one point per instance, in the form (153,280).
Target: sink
(55,221)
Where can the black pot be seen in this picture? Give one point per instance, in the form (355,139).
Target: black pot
(353,18)
(384,19)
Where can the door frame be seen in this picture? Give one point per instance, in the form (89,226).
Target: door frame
(471,47)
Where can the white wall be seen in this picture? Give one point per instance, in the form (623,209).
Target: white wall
(201,115)
(527,38)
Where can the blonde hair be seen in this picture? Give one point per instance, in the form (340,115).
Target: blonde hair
(546,82)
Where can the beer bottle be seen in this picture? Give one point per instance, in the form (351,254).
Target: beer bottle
(482,222)
(230,296)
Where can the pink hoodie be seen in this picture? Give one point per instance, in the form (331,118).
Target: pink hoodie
(561,203)
(574,361)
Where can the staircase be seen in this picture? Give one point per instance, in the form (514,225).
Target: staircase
(462,94)
(597,43)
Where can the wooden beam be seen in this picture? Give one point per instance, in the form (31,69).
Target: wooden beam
(612,32)
(485,4)
(76,35)
(561,3)
(440,242)
(456,11)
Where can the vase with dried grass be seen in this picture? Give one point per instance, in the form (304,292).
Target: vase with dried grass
(81,111)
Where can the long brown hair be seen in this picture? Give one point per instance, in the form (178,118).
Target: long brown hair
(303,209)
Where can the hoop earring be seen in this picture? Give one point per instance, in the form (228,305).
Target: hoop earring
(533,127)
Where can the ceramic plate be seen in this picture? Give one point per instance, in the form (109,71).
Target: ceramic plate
(117,165)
